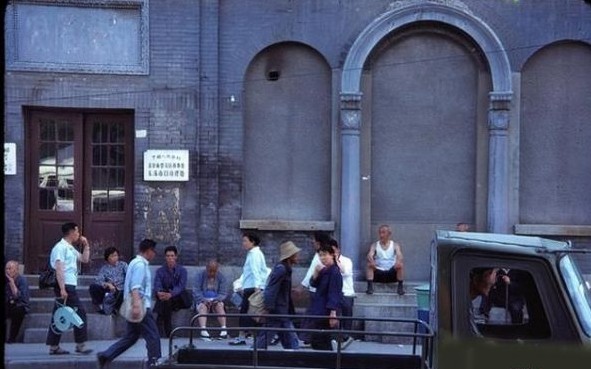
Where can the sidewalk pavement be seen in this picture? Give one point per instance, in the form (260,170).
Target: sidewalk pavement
(36,355)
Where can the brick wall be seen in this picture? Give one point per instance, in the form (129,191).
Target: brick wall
(199,54)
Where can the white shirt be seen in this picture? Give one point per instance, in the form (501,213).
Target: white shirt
(385,259)
(306,280)
(68,255)
(254,271)
(346,266)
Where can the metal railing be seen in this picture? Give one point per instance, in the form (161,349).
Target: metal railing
(422,335)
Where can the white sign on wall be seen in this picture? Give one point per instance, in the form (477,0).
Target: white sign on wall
(166,165)
(9,158)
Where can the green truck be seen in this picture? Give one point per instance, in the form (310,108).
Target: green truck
(495,301)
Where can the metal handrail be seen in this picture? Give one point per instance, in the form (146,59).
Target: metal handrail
(426,337)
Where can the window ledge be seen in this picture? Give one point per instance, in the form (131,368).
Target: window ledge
(553,230)
(287,225)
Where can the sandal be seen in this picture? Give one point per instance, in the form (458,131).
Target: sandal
(58,351)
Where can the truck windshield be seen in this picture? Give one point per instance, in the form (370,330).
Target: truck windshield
(579,291)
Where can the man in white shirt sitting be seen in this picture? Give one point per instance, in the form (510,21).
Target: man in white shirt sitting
(384,261)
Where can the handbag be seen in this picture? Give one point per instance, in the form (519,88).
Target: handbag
(256,305)
(47,278)
(126,309)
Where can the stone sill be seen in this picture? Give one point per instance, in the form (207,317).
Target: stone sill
(287,225)
(553,230)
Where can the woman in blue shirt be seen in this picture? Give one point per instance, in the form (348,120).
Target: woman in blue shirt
(328,281)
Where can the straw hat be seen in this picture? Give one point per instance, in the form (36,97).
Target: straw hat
(288,249)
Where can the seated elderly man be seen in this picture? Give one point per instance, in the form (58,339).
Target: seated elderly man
(209,292)
(384,261)
(16,299)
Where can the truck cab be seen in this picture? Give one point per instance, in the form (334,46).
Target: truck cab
(496,291)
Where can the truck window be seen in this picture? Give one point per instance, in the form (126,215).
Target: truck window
(579,291)
(505,303)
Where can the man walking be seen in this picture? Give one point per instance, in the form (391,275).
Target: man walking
(278,300)
(138,283)
(64,259)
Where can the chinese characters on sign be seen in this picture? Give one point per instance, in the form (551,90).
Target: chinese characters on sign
(9,158)
(166,165)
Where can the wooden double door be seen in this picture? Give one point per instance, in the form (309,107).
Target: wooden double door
(79,169)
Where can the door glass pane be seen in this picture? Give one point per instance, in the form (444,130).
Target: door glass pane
(100,132)
(99,155)
(56,165)
(117,155)
(65,153)
(108,167)
(117,179)
(47,130)
(116,200)
(65,192)
(47,187)
(117,133)
(47,154)
(100,178)
(65,131)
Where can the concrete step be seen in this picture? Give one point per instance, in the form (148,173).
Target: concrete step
(386,298)
(83,280)
(409,286)
(370,310)
(100,327)
(45,304)
(34,291)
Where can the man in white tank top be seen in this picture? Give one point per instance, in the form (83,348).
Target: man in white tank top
(384,261)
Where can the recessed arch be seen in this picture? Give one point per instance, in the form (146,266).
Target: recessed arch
(394,19)
(287,135)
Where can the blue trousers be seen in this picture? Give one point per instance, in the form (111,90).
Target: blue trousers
(289,340)
(147,329)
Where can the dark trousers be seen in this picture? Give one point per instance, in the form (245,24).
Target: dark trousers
(16,315)
(97,293)
(147,329)
(164,311)
(321,341)
(289,340)
(347,311)
(244,320)
(73,301)
(307,323)
(110,305)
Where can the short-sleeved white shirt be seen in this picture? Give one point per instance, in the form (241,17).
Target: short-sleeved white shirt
(68,255)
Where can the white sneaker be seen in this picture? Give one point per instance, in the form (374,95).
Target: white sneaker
(347,342)
(205,336)
(334,344)
(223,335)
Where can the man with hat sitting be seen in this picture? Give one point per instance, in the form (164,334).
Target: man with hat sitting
(278,299)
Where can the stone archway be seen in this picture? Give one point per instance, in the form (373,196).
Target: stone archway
(450,13)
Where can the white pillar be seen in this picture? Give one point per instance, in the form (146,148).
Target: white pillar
(350,226)
(498,162)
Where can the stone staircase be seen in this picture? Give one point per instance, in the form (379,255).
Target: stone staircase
(383,303)
(386,303)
